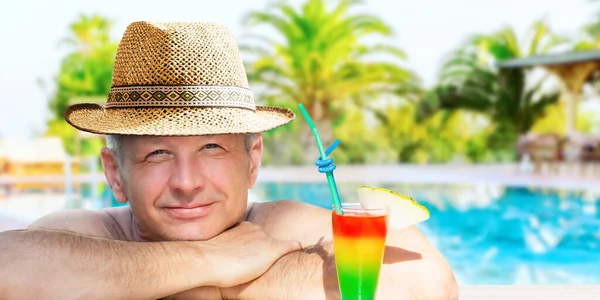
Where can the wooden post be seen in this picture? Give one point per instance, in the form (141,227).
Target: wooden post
(571,98)
(573,77)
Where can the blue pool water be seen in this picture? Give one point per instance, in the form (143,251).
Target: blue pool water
(494,234)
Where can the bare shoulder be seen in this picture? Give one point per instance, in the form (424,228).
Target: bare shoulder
(101,223)
(291,219)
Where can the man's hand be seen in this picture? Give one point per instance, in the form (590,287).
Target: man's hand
(242,253)
(236,256)
(299,275)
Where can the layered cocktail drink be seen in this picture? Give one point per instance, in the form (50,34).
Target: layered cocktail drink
(359,242)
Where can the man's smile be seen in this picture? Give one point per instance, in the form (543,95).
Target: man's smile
(189,211)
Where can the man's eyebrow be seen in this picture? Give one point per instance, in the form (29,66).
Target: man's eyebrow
(143,144)
(215,139)
(156,142)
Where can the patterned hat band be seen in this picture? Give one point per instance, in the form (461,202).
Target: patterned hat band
(180,95)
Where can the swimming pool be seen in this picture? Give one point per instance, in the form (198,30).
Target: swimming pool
(494,234)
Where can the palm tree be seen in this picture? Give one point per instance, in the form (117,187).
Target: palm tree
(470,81)
(85,73)
(322,60)
(87,70)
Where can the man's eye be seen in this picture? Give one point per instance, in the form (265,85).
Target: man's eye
(157,152)
(157,156)
(212,146)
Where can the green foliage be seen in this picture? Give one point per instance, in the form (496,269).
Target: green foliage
(470,81)
(476,148)
(85,72)
(321,59)
(554,118)
(359,142)
(281,145)
(442,137)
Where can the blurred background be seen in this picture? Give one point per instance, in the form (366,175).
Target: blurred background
(487,112)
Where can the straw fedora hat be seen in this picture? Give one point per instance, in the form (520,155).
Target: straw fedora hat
(177,79)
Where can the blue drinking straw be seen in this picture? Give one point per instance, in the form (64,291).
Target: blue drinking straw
(330,179)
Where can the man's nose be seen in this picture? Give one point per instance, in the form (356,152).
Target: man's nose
(187,178)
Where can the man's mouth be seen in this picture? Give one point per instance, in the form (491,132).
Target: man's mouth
(189,211)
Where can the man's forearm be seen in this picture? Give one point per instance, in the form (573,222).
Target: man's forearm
(306,274)
(42,264)
(407,272)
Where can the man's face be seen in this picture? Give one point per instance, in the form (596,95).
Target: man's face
(186,188)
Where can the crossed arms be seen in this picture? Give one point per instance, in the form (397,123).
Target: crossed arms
(255,260)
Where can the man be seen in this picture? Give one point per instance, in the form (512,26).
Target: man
(184,147)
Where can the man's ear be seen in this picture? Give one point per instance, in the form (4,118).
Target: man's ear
(255,160)
(113,176)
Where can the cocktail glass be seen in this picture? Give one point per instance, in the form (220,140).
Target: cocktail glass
(359,242)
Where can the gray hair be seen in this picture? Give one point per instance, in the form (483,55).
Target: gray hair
(115,144)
